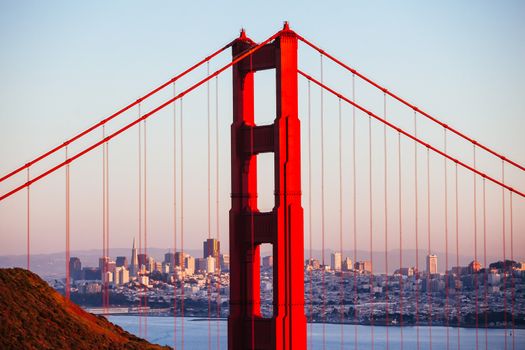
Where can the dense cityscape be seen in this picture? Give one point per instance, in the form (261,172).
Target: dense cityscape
(343,291)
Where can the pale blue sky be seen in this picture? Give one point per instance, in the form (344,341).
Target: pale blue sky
(65,65)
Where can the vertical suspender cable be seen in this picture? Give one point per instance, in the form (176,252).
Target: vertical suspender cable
(354,211)
(475,269)
(386,226)
(217,228)
(140,217)
(146,226)
(174,265)
(28,221)
(503,232)
(341,281)
(181,138)
(416,226)
(208,278)
(103,265)
(446,238)
(456,287)
(106,260)
(322,209)
(513,284)
(370,226)
(68,272)
(486,275)
(310,272)
(400,219)
(429,294)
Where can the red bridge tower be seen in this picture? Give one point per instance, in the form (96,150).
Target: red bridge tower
(283,226)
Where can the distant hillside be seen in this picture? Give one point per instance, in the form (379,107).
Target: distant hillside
(34,316)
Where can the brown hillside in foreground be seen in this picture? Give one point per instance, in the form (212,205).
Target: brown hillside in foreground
(35,316)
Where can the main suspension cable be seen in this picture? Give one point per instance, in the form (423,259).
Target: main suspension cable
(119,112)
(405,133)
(144,117)
(406,103)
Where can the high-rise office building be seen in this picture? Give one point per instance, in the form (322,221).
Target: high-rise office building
(313,263)
(201,264)
(347,264)
(91,273)
(363,266)
(189,265)
(75,268)
(103,264)
(134,260)
(122,261)
(432,264)
(225,262)
(335,261)
(211,247)
(210,264)
(169,258)
(150,264)
(143,260)
(121,275)
(179,259)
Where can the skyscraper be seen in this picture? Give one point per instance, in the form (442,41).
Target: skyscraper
(143,260)
(432,264)
(134,260)
(347,264)
(335,261)
(75,268)
(211,247)
(169,258)
(179,259)
(122,261)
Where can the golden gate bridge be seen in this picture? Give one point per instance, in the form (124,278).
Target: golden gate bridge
(441,181)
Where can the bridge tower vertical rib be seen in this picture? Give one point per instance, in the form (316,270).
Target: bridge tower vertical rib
(283,226)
